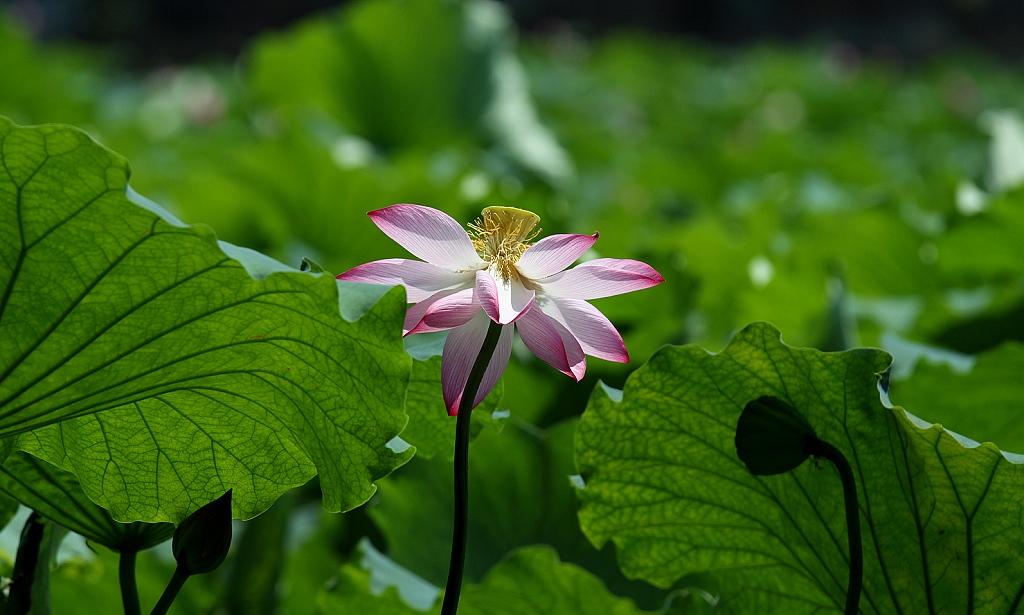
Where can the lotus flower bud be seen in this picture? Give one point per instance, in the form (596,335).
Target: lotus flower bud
(772,437)
(202,540)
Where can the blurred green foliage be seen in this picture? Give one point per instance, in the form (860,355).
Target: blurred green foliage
(849,200)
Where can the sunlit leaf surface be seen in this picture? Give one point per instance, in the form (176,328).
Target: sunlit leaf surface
(161,367)
(941,521)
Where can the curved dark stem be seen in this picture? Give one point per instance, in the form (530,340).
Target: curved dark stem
(19,599)
(129,589)
(823,449)
(170,592)
(453,588)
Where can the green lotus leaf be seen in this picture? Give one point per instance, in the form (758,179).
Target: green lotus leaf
(57,496)
(163,367)
(941,516)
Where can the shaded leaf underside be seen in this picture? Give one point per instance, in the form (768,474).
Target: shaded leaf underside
(942,522)
(57,496)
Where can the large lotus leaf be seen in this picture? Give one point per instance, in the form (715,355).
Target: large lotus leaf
(163,367)
(8,508)
(532,580)
(57,496)
(941,520)
(985,403)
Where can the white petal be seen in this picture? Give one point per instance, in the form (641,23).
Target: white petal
(429,234)
(503,301)
(421,280)
(553,254)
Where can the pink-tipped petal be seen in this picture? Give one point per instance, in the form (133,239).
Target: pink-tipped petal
(553,254)
(592,329)
(602,277)
(421,280)
(552,343)
(415,313)
(502,301)
(460,353)
(447,311)
(429,234)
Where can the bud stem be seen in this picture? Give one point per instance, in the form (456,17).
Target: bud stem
(170,592)
(820,448)
(457,565)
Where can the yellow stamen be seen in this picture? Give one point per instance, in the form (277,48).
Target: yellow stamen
(501,235)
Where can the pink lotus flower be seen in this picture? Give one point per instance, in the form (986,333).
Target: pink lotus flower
(493,273)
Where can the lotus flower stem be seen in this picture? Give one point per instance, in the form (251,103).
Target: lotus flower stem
(453,588)
(823,449)
(26,564)
(129,588)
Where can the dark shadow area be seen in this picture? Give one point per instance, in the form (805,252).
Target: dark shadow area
(155,32)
